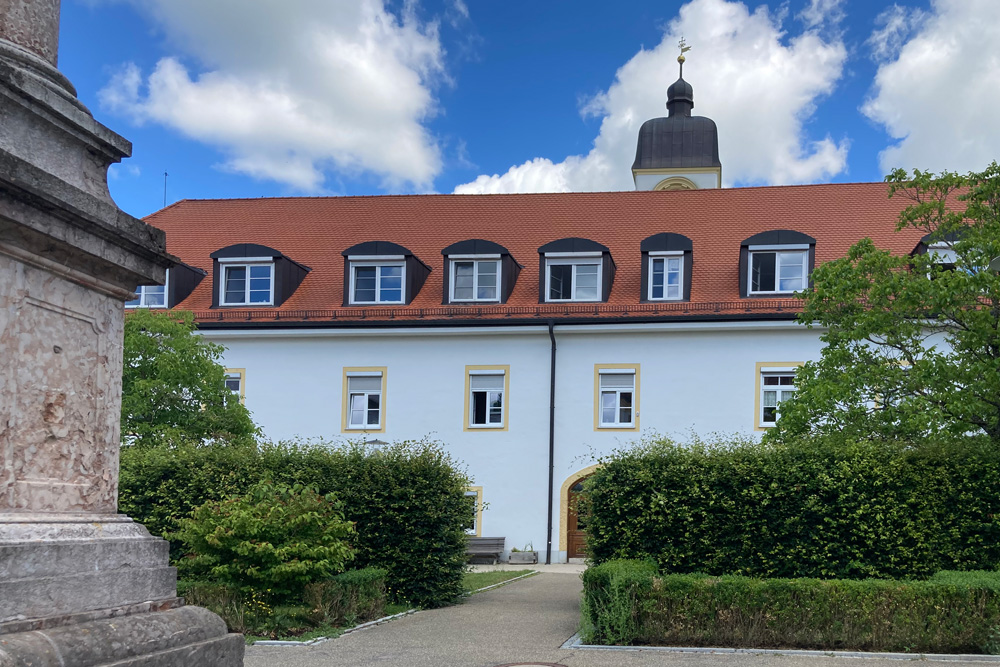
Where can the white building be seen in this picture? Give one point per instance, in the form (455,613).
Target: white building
(527,332)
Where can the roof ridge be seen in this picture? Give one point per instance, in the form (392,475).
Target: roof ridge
(443,195)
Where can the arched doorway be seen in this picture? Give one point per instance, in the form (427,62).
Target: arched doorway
(573,533)
(576,529)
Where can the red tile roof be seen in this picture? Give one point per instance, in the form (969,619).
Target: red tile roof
(315,230)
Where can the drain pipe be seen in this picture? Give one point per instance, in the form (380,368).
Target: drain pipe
(552,434)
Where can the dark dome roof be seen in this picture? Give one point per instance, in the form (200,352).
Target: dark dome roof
(677,142)
(680,90)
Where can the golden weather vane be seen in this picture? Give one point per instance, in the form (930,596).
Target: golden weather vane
(684,49)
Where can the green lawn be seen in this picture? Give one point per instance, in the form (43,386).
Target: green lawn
(472,581)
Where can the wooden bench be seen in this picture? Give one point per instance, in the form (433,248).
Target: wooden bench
(486,547)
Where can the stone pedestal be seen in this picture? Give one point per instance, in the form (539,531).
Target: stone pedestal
(80,584)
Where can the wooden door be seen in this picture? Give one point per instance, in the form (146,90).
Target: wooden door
(576,530)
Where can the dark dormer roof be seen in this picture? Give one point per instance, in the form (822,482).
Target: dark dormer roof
(680,140)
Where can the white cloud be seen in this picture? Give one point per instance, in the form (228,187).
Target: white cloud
(820,12)
(897,25)
(291,89)
(937,92)
(758,86)
(119,170)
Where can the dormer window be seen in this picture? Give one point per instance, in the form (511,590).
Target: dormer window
(778,270)
(178,284)
(150,296)
(377,281)
(475,278)
(381,273)
(247,283)
(666,277)
(943,253)
(572,277)
(666,267)
(247,274)
(776,263)
(478,271)
(575,270)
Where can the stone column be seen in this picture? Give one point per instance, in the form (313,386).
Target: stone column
(80,584)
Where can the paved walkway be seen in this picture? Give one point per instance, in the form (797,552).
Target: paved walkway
(524,622)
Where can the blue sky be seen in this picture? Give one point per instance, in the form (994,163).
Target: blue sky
(250,98)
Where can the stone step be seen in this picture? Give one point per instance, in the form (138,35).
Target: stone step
(46,558)
(44,597)
(179,637)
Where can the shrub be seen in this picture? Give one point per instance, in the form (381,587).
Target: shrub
(408,503)
(276,538)
(159,486)
(407,500)
(629,603)
(818,509)
(356,596)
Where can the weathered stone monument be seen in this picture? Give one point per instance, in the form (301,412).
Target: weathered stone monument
(80,584)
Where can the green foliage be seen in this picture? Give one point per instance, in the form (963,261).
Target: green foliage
(173,387)
(628,602)
(276,538)
(912,348)
(407,500)
(408,503)
(817,508)
(159,486)
(356,596)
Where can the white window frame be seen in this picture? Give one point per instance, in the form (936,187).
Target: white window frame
(226,263)
(617,392)
(766,371)
(476,260)
(777,250)
(943,253)
(348,395)
(575,260)
(665,255)
(377,261)
(501,373)
(241,375)
(477,493)
(141,292)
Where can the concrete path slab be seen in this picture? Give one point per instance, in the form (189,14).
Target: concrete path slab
(524,622)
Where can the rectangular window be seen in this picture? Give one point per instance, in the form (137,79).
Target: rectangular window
(665,278)
(150,296)
(779,272)
(573,279)
(486,397)
(617,403)
(364,399)
(236,382)
(377,283)
(247,284)
(775,384)
(475,280)
(474,496)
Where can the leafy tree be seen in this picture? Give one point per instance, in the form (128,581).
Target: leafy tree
(912,343)
(173,387)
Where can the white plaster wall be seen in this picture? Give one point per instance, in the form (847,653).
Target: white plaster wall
(699,380)
(702,180)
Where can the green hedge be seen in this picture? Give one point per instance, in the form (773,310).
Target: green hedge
(628,603)
(818,509)
(407,500)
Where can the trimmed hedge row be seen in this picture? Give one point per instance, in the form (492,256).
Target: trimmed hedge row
(629,603)
(818,509)
(407,500)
